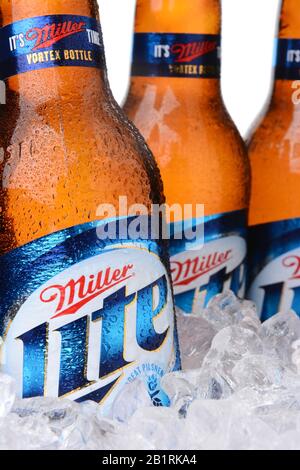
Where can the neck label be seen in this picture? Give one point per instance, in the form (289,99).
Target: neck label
(288,59)
(177,55)
(50,41)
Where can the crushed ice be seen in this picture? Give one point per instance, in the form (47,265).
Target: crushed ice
(240,389)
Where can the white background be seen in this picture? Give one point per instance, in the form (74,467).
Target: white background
(248,38)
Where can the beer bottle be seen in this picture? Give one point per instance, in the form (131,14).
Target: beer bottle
(83,311)
(274,244)
(175,101)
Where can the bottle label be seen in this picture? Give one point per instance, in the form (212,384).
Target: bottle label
(50,41)
(288,59)
(206,268)
(176,55)
(274,267)
(82,317)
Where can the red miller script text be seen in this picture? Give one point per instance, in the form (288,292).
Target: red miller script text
(183,273)
(293,261)
(192,50)
(52,33)
(70,297)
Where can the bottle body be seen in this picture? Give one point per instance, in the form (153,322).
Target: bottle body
(175,100)
(274,209)
(66,150)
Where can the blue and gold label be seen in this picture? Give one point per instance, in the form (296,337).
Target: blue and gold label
(50,41)
(287,65)
(274,267)
(210,264)
(81,317)
(176,55)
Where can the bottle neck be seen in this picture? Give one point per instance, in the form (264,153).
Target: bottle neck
(289,20)
(176,16)
(60,57)
(184,52)
(287,69)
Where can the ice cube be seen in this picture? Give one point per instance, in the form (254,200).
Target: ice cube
(249,432)
(61,413)
(225,302)
(65,419)
(195,337)
(262,372)
(212,385)
(245,395)
(161,427)
(27,433)
(279,334)
(277,406)
(132,397)
(7,394)
(226,309)
(181,389)
(246,316)
(229,346)
(207,424)
(228,425)
(129,439)
(295,358)
(218,313)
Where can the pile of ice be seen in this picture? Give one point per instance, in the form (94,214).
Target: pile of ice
(240,390)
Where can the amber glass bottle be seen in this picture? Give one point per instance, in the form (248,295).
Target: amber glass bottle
(274,149)
(175,101)
(79,316)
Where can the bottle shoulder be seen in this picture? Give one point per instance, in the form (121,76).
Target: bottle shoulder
(276,132)
(190,128)
(274,151)
(197,147)
(278,117)
(57,169)
(95,136)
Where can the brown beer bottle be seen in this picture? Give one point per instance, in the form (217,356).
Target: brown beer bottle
(274,272)
(79,313)
(175,101)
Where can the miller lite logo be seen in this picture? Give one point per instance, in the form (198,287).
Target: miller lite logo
(93,327)
(202,273)
(277,287)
